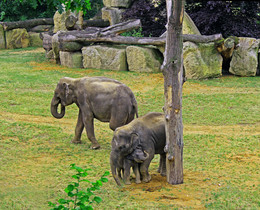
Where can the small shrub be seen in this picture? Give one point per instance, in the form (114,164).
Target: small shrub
(134,33)
(80,199)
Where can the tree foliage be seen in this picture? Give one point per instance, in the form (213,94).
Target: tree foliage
(14,10)
(237,18)
(152,16)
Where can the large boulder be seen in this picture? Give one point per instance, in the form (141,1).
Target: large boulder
(189,26)
(35,40)
(113,15)
(117,3)
(143,59)
(17,38)
(201,61)
(2,37)
(71,59)
(104,57)
(245,57)
(59,20)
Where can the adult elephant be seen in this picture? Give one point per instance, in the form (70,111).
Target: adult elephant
(105,99)
(147,132)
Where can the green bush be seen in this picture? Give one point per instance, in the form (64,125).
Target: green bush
(80,199)
(15,10)
(134,33)
(11,10)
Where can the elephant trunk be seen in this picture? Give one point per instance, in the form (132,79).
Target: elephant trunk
(113,165)
(141,159)
(54,108)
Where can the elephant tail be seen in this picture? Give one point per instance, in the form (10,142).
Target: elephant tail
(135,107)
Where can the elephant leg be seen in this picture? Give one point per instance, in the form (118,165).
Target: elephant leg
(137,173)
(119,170)
(88,120)
(78,130)
(127,167)
(162,165)
(146,177)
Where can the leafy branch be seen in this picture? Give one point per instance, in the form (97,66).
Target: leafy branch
(80,199)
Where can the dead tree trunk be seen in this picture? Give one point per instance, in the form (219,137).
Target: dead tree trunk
(96,23)
(27,24)
(173,81)
(93,35)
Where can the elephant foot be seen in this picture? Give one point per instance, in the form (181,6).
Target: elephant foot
(163,173)
(127,182)
(95,145)
(138,181)
(147,179)
(76,142)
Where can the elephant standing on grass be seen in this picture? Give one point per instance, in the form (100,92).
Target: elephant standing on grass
(147,132)
(105,99)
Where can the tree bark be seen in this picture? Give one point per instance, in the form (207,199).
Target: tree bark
(173,81)
(98,36)
(70,22)
(96,23)
(27,24)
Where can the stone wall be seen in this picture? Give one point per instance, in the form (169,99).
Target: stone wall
(201,60)
(22,38)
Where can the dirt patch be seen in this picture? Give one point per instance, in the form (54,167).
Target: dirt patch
(228,130)
(192,88)
(38,50)
(46,66)
(67,124)
(187,195)
(237,130)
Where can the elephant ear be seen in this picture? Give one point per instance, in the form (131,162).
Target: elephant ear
(135,140)
(66,89)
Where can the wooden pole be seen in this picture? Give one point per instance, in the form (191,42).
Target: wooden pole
(173,81)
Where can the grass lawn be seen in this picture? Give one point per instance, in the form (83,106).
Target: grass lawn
(221,140)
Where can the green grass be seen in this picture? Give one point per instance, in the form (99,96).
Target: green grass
(221,137)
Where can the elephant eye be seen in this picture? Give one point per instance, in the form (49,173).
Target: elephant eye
(122,147)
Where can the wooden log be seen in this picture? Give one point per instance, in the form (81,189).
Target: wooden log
(121,27)
(96,23)
(70,22)
(41,28)
(157,41)
(27,24)
(201,38)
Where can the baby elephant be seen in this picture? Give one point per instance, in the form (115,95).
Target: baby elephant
(105,99)
(133,160)
(147,132)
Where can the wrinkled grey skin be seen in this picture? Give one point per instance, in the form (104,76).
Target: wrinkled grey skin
(102,98)
(133,160)
(149,133)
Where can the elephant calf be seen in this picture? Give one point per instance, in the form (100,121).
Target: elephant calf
(133,160)
(147,132)
(105,99)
